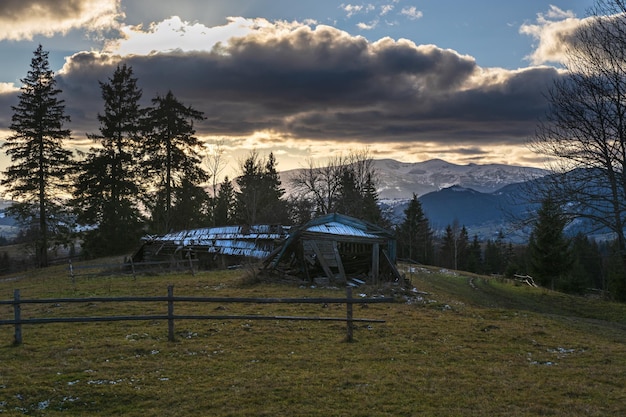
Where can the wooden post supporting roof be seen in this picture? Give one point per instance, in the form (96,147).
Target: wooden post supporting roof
(375,262)
(342,272)
(322,260)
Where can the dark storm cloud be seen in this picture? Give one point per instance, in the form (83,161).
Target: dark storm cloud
(325,84)
(7,99)
(19,9)
(22,19)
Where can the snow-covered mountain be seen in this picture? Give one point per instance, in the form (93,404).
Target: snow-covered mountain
(399,180)
(480,197)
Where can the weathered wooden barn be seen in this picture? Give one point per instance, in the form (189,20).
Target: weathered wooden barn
(332,249)
(337,249)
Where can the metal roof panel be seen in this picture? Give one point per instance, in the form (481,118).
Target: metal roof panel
(336,228)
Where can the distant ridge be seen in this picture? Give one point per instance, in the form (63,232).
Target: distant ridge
(399,180)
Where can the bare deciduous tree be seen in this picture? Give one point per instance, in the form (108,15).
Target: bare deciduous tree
(215,164)
(584,131)
(323,184)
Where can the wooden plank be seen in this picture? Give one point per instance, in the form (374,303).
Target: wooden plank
(375,262)
(342,272)
(395,271)
(322,260)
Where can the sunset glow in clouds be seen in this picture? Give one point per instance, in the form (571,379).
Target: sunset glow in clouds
(403,78)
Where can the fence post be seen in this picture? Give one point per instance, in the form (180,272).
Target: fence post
(132,267)
(17,310)
(190,263)
(72,272)
(349,313)
(170,313)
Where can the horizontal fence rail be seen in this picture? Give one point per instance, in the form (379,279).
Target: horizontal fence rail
(130,265)
(170,299)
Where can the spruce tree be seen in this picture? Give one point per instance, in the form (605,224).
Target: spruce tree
(171,158)
(587,270)
(448,248)
(415,237)
(224,204)
(462,249)
(474,257)
(109,186)
(39,175)
(371,210)
(250,182)
(274,208)
(349,198)
(259,199)
(454,246)
(191,207)
(549,249)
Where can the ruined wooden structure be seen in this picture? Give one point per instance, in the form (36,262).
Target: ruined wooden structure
(214,247)
(333,249)
(337,249)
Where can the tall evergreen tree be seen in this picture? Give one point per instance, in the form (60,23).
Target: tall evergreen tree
(493,261)
(494,256)
(371,210)
(109,187)
(415,237)
(349,199)
(549,249)
(171,156)
(455,246)
(39,174)
(474,257)
(357,195)
(462,249)
(448,245)
(192,207)
(259,199)
(274,207)
(250,194)
(588,263)
(223,213)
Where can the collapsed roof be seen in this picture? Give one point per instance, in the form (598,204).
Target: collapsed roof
(337,247)
(256,241)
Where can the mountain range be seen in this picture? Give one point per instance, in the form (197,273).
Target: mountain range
(484,198)
(481,197)
(402,179)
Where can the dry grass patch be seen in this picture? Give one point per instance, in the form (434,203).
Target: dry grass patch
(496,349)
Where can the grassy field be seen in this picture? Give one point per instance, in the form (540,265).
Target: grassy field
(455,346)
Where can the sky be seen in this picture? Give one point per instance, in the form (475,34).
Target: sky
(410,80)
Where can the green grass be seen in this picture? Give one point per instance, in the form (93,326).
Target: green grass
(494,348)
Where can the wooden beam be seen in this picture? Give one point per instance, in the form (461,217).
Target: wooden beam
(342,272)
(320,258)
(375,262)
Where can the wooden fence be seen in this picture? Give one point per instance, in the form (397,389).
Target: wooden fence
(128,267)
(170,299)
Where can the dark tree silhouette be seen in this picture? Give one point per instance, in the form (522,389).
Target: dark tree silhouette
(415,237)
(223,213)
(259,199)
(549,251)
(584,131)
(171,157)
(39,174)
(109,186)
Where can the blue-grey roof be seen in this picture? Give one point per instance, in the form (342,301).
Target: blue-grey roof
(336,228)
(252,241)
(258,241)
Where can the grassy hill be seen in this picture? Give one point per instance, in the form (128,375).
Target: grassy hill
(455,345)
